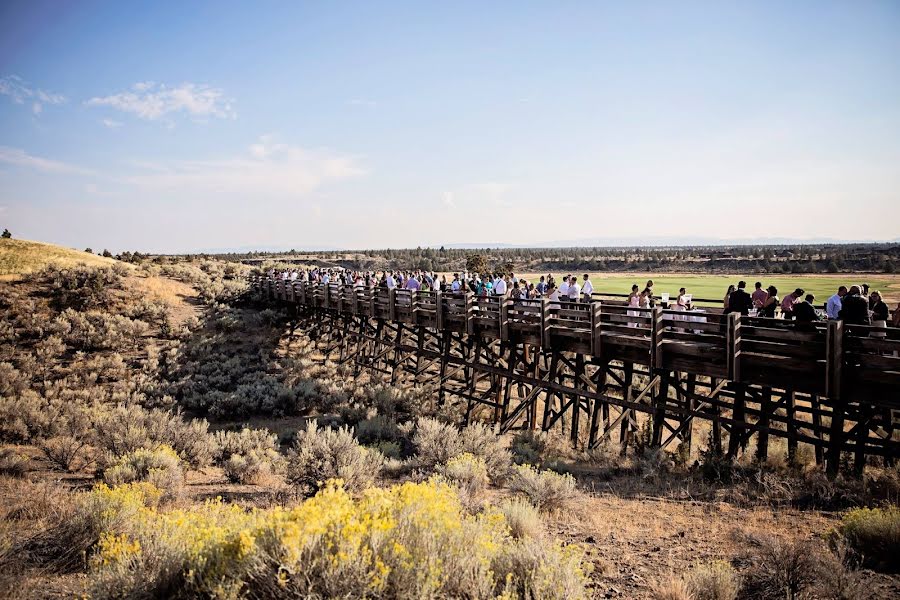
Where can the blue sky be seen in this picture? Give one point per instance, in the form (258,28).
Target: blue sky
(188,125)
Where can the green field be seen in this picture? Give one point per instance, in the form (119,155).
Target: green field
(714,286)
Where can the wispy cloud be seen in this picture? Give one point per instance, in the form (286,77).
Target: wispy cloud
(448,199)
(362,102)
(21,92)
(152,101)
(268,167)
(111,123)
(20,158)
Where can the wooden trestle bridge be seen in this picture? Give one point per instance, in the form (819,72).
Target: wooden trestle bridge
(592,368)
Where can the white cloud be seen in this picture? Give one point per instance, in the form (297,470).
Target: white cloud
(151,101)
(268,167)
(20,158)
(449,199)
(20,91)
(112,124)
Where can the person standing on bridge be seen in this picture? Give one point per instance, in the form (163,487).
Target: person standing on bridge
(574,289)
(759,296)
(833,306)
(787,305)
(726,301)
(541,287)
(740,301)
(772,302)
(564,287)
(389,281)
(587,289)
(500,286)
(456,285)
(854,308)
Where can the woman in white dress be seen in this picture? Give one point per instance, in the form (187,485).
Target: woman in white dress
(634,301)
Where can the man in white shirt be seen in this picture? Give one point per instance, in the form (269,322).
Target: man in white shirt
(454,287)
(587,289)
(500,286)
(574,290)
(389,281)
(833,306)
(564,287)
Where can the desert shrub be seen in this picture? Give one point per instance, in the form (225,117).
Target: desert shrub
(468,474)
(103,511)
(377,429)
(125,428)
(538,569)
(64,452)
(873,535)
(546,490)
(522,518)
(80,287)
(13,462)
(160,467)
(671,588)
(713,581)
(436,443)
(322,454)
(781,569)
(480,441)
(410,541)
(22,416)
(528,447)
(94,330)
(248,455)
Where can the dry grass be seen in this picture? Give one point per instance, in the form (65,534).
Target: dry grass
(20,257)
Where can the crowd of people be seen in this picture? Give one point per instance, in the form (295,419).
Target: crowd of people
(855,304)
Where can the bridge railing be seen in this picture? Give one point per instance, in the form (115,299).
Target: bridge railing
(817,358)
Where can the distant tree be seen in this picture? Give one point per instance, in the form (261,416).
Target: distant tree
(476,263)
(6,234)
(106,253)
(89,250)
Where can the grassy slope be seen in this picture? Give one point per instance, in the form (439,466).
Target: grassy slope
(18,257)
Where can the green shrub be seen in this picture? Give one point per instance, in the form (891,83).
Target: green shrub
(160,467)
(322,454)
(248,455)
(468,474)
(546,490)
(873,534)
(437,443)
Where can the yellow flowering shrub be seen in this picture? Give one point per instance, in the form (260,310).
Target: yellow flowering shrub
(412,540)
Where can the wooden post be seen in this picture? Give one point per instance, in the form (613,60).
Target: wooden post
(392,304)
(733,345)
(659,415)
(738,425)
(834,343)
(762,437)
(504,318)
(656,338)
(790,401)
(470,314)
(596,329)
(545,323)
(438,310)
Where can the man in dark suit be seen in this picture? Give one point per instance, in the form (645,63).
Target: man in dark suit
(805,312)
(739,301)
(854,308)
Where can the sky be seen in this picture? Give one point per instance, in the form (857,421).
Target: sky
(192,126)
